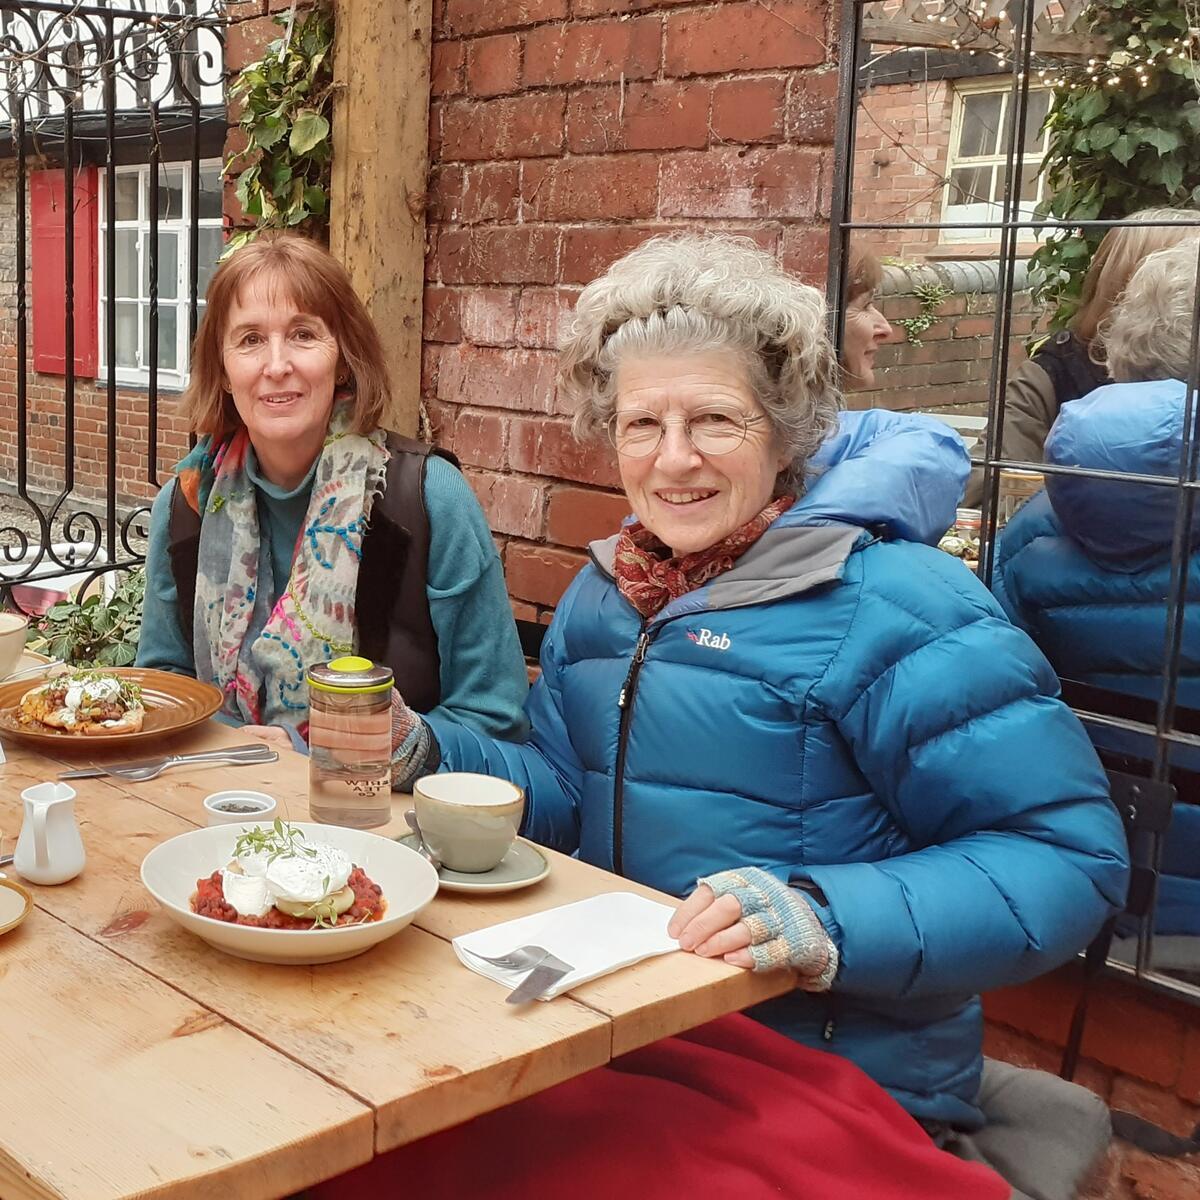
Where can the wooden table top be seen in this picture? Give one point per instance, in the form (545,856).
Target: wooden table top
(138,1061)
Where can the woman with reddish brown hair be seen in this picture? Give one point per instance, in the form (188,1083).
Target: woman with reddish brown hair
(298,530)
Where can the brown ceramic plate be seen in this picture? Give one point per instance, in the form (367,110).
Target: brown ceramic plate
(173,703)
(15,903)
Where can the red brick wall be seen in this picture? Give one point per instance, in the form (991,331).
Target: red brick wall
(563,133)
(952,365)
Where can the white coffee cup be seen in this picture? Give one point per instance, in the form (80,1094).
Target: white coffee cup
(469,821)
(13,628)
(239,807)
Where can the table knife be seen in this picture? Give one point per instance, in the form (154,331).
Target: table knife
(539,981)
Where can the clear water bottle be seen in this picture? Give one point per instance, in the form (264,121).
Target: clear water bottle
(350,743)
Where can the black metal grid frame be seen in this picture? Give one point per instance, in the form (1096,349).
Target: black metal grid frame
(50,52)
(1160,733)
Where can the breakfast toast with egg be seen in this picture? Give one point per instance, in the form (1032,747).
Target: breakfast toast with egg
(87,703)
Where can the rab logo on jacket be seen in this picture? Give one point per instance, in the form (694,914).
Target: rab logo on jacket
(706,637)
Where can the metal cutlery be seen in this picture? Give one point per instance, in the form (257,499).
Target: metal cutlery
(545,970)
(140,772)
(539,981)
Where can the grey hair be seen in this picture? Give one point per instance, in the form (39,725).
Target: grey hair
(1148,333)
(702,292)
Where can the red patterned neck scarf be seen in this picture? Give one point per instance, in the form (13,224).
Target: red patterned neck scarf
(649,578)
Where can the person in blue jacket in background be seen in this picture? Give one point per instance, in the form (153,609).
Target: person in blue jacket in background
(771,694)
(1085,566)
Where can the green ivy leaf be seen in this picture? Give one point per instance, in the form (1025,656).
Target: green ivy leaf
(1103,135)
(1163,140)
(309,129)
(1124,148)
(1090,106)
(315,200)
(270,131)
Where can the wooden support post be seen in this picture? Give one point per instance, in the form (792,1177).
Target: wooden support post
(380,167)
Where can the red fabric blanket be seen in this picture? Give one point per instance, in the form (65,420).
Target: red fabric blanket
(730,1110)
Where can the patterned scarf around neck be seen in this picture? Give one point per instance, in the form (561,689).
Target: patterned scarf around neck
(312,619)
(649,578)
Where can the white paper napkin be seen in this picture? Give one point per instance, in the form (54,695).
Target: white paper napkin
(597,935)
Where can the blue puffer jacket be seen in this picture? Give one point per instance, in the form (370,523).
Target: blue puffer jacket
(856,716)
(1085,566)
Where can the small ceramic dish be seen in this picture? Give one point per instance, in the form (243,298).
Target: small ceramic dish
(15,903)
(523,866)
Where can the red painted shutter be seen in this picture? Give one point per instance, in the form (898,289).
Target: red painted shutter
(48,242)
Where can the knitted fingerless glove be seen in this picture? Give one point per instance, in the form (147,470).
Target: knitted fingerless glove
(415,751)
(784,930)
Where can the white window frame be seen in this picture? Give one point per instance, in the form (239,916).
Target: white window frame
(990,210)
(139,375)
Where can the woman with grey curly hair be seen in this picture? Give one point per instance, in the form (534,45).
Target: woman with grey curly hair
(756,693)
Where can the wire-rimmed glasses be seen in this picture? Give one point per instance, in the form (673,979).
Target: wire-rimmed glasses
(638,432)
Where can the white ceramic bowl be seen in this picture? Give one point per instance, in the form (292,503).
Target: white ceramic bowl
(171,870)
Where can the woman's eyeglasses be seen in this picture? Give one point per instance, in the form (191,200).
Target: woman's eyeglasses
(638,432)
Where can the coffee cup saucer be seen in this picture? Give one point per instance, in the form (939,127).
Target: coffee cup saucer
(522,866)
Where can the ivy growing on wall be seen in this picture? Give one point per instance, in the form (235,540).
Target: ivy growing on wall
(285,98)
(1124,134)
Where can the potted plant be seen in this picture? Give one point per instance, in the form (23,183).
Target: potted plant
(94,631)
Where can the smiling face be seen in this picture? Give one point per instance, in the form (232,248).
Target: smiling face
(281,367)
(688,499)
(866,329)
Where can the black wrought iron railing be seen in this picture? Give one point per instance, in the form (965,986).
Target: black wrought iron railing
(128,97)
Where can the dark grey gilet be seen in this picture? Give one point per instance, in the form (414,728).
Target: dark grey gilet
(391,600)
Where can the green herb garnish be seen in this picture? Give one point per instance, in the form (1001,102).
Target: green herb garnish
(280,841)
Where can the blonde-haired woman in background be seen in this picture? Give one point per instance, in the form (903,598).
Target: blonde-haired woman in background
(1070,363)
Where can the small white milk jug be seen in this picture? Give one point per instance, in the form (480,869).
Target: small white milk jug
(49,848)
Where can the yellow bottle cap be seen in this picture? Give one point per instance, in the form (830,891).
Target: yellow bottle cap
(350,675)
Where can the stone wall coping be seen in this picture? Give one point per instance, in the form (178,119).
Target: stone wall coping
(965,276)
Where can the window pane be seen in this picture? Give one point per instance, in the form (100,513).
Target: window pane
(210,192)
(970,185)
(125,259)
(212,242)
(170,194)
(168,335)
(1035,114)
(126,195)
(1029,182)
(127,335)
(980,133)
(168,266)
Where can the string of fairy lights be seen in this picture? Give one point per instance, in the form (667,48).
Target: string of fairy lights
(980,28)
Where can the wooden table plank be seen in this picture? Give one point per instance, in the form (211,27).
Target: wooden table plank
(403,1027)
(662,997)
(159,1097)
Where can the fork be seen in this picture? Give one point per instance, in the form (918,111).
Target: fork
(523,958)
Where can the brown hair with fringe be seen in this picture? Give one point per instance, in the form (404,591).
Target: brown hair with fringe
(317,284)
